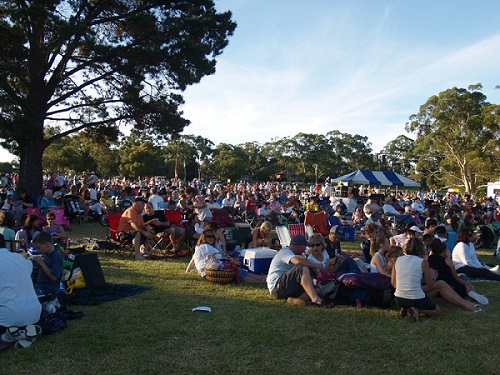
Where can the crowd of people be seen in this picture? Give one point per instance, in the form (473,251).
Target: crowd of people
(408,237)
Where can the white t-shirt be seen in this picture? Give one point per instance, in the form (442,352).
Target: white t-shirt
(390,210)
(201,254)
(19,304)
(326,257)
(154,199)
(465,255)
(279,265)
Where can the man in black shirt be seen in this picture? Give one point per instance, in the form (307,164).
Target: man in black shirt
(333,241)
(158,222)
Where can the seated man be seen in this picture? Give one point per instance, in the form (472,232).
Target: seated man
(50,267)
(332,241)
(19,306)
(290,276)
(131,227)
(390,211)
(158,222)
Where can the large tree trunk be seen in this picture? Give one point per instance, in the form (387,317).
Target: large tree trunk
(30,168)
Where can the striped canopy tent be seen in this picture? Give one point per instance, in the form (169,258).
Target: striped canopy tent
(377,178)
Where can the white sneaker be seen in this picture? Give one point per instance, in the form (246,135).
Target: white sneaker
(478,297)
(495,269)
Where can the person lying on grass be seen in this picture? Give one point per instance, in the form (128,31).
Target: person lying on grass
(205,249)
(290,275)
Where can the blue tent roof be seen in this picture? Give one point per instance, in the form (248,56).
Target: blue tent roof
(383,178)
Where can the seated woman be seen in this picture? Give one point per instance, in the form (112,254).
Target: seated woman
(406,277)
(317,254)
(47,202)
(441,262)
(7,224)
(57,231)
(205,249)
(29,231)
(378,249)
(407,274)
(465,259)
(260,236)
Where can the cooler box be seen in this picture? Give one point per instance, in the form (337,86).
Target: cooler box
(258,260)
(348,233)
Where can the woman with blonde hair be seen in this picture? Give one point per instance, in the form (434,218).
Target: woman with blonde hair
(260,236)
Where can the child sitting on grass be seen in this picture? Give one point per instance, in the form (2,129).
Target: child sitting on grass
(49,268)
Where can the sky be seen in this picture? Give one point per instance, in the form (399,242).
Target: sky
(359,67)
(356,66)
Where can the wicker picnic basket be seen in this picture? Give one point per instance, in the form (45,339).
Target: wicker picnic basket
(220,277)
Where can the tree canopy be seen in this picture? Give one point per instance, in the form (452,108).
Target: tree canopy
(458,138)
(69,65)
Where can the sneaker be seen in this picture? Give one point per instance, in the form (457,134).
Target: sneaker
(24,343)
(478,297)
(19,333)
(495,269)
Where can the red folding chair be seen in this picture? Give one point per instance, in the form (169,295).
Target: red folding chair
(296,229)
(119,245)
(317,220)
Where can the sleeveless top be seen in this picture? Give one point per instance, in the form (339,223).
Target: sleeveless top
(373,267)
(409,277)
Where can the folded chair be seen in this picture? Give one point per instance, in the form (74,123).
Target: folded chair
(283,235)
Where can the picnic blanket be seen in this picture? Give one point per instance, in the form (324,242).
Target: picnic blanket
(110,292)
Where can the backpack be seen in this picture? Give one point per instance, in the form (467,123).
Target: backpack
(91,270)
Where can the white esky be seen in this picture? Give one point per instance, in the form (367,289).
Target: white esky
(357,66)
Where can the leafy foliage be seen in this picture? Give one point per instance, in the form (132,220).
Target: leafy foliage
(78,64)
(458,137)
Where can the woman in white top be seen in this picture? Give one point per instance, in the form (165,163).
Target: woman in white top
(316,252)
(378,249)
(465,258)
(406,278)
(205,249)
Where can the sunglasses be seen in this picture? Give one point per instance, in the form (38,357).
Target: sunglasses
(316,245)
(209,236)
(51,219)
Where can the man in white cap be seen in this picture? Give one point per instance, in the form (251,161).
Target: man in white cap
(411,231)
(290,277)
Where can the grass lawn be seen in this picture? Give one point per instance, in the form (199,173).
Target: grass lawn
(248,332)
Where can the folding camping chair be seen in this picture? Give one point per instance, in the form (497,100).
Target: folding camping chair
(120,246)
(222,218)
(283,235)
(296,229)
(318,222)
(309,230)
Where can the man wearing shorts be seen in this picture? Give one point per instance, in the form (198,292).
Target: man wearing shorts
(131,227)
(290,277)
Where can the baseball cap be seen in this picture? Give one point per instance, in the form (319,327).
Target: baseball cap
(140,199)
(336,229)
(416,229)
(299,240)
